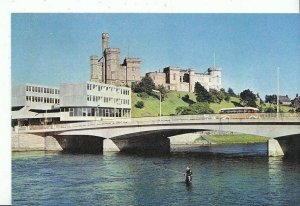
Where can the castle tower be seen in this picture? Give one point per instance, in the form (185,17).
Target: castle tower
(112,65)
(105,41)
(96,70)
(215,77)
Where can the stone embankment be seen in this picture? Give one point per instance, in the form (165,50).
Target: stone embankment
(31,142)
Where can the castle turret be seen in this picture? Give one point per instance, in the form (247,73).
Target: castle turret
(105,41)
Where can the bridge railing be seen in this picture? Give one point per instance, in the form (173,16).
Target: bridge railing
(152,120)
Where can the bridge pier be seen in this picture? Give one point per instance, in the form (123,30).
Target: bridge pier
(290,146)
(274,148)
(144,144)
(110,146)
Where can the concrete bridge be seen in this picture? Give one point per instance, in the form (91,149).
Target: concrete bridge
(151,134)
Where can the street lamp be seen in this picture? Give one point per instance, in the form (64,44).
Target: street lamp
(277,112)
(96,112)
(157,91)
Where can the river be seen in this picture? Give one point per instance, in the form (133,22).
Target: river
(222,175)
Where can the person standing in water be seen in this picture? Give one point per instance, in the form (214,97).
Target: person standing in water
(188,174)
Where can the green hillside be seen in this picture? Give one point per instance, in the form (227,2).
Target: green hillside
(171,102)
(174,100)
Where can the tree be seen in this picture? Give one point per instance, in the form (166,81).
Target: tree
(231,92)
(197,108)
(163,91)
(248,98)
(272,99)
(145,85)
(180,109)
(134,86)
(269,109)
(216,96)
(186,98)
(202,95)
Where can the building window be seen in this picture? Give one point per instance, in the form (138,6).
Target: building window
(89,111)
(71,112)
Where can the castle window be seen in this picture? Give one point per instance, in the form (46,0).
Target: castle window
(174,76)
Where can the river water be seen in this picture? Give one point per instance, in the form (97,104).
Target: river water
(222,175)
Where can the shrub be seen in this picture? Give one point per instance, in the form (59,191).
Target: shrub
(139,104)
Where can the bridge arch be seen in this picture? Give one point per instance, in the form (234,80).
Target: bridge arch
(80,143)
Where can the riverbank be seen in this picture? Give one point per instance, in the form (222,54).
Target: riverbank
(234,139)
(212,138)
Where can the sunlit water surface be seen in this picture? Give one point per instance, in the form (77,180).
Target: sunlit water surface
(224,175)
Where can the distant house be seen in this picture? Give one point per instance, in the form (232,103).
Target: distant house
(285,100)
(297,103)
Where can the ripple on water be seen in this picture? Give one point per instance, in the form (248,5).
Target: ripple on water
(117,179)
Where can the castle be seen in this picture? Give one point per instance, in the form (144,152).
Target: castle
(108,70)
(173,78)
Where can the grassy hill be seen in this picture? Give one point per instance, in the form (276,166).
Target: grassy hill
(171,102)
(174,100)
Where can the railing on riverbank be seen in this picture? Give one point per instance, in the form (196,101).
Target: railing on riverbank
(158,120)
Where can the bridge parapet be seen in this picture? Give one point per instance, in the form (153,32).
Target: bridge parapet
(205,118)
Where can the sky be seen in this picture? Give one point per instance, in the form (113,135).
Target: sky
(50,49)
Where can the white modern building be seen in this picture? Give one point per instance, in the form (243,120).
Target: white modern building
(35,96)
(93,101)
(37,104)
(34,104)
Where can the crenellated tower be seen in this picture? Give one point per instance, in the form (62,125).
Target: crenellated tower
(108,69)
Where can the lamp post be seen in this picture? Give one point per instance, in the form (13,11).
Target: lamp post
(96,112)
(277,112)
(157,91)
